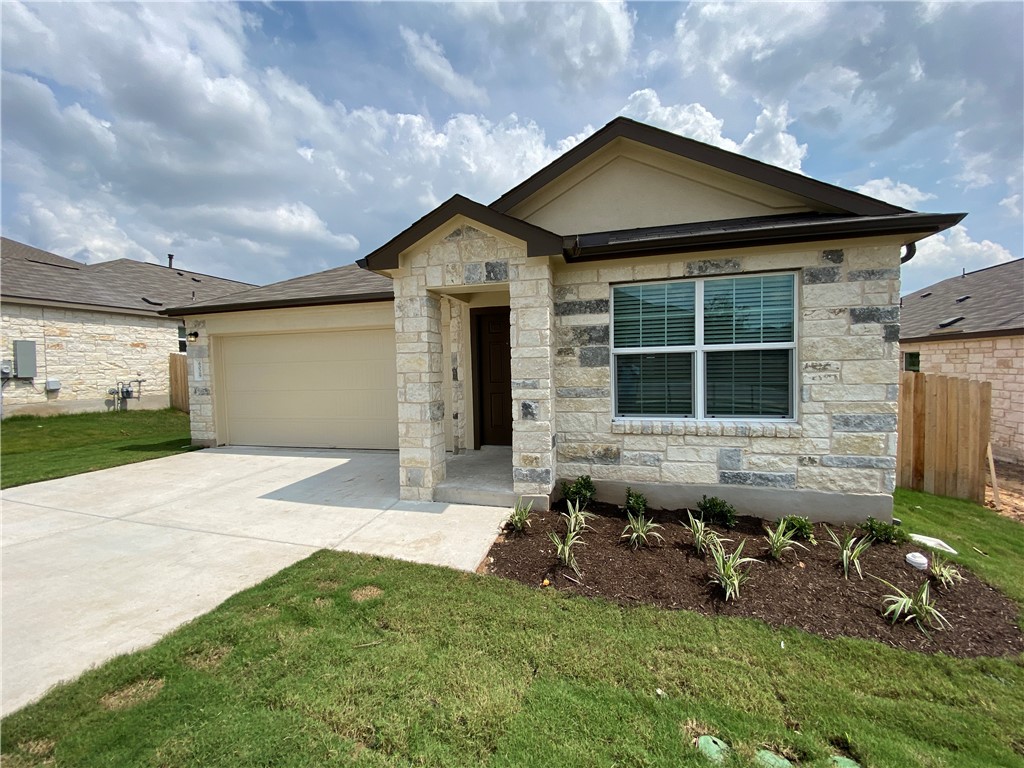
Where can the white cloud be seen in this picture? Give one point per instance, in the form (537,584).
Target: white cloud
(947,254)
(428,57)
(1011,204)
(895,192)
(769,140)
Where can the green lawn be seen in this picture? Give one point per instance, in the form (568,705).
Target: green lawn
(450,669)
(34,448)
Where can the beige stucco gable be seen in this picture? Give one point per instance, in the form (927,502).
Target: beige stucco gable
(626,185)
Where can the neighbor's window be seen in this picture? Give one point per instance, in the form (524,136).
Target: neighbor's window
(911,361)
(182,341)
(705,348)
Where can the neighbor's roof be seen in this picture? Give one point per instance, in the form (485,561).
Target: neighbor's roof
(34,275)
(989,302)
(341,285)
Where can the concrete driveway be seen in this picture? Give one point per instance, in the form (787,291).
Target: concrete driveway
(104,563)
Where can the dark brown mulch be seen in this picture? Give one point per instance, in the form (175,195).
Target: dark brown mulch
(806,590)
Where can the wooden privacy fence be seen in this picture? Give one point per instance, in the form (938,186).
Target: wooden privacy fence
(178,365)
(944,425)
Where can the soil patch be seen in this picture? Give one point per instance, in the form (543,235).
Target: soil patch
(1011,491)
(805,590)
(132,695)
(363,594)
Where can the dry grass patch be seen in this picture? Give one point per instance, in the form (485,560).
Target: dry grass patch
(369,592)
(207,659)
(327,585)
(322,602)
(132,695)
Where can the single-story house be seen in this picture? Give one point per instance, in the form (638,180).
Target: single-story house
(70,332)
(647,309)
(972,326)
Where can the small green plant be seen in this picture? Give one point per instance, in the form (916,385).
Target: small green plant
(718,511)
(850,550)
(920,607)
(703,537)
(802,527)
(781,540)
(575,524)
(519,520)
(640,531)
(887,533)
(944,572)
(635,502)
(727,571)
(581,490)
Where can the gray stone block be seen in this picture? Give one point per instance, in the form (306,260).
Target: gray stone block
(833,255)
(414,476)
(574,392)
(864,422)
(473,273)
(874,274)
(891,333)
(892,392)
(528,410)
(712,267)
(642,458)
(759,479)
(859,462)
(808,461)
(820,275)
(496,271)
(730,458)
(589,335)
(594,357)
(437,410)
(525,383)
(860,315)
(531,475)
(591,307)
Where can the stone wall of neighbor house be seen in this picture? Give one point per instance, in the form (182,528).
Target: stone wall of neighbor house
(464,260)
(88,352)
(200,385)
(998,360)
(843,441)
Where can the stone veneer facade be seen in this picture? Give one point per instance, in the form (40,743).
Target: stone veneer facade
(200,385)
(843,440)
(88,352)
(999,360)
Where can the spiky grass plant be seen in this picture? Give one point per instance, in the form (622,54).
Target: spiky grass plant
(728,571)
(920,607)
(850,550)
(944,572)
(519,519)
(575,524)
(640,530)
(781,540)
(703,537)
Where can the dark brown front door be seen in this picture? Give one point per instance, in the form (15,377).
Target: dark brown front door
(493,386)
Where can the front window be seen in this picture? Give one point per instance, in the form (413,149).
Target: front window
(705,348)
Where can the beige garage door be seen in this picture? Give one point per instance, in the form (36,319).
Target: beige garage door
(316,390)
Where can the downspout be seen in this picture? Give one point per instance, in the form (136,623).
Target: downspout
(911,250)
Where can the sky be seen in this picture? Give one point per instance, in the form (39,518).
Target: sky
(264,141)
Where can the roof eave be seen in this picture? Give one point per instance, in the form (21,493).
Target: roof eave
(964,336)
(921,225)
(316,301)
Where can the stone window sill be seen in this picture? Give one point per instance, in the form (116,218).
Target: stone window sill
(709,428)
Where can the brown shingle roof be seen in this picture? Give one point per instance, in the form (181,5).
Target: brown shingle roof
(31,274)
(990,301)
(341,285)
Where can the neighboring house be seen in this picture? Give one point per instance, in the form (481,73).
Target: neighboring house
(972,326)
(70,332)
(647,309)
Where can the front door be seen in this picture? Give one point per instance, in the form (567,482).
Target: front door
(493,386)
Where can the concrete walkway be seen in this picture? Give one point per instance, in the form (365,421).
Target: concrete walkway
(104,563)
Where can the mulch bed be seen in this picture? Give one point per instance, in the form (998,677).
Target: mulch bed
(805,590)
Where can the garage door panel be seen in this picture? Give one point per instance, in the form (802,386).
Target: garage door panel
(334,389)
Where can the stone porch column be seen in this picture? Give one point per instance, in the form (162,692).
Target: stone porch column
(420,393)
(531,299)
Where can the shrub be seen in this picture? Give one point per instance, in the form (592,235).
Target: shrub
(640,530)
(781,540)
(635,502)
(717,511)
(887,533)
(727,571)
(519,520)
(703,537)
(920,607)
(581,490)
(575,525)
(944,572)
(802,528)
(850,550)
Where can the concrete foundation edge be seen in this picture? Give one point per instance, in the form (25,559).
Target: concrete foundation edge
(769,503)
(92,405)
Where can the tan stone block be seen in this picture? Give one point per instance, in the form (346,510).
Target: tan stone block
(842,348)
(769,463)
(691,454)
(831,295)
(840,480)
(703,474)
(861,444)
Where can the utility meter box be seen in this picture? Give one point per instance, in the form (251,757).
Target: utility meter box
(53,385)
(6,369)
(25,359)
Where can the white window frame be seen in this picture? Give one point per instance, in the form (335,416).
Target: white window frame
(699,349)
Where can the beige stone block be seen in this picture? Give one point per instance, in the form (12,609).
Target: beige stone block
(870,372)
(577,422)
(842,348)
(685,453)
(861,443)
(840,480)
(769,463)
(848,393)
(831,295)
(703,474)
(656,443)
(839,326)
